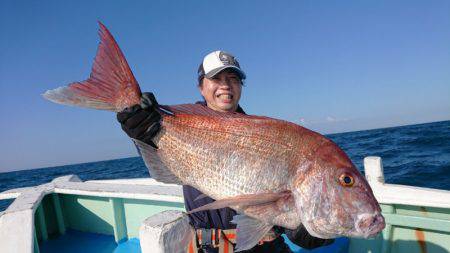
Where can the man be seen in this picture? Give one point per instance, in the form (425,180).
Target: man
(220,81)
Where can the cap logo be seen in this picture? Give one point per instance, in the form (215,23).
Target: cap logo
(227,59)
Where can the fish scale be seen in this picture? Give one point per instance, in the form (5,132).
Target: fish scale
(242,172)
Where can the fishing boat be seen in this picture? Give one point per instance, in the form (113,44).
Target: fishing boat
(142,215)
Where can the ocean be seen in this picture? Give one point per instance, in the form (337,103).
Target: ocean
(416,155)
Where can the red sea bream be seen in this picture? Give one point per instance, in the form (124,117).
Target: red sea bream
(271,171)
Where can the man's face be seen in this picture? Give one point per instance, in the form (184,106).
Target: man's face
(222,92)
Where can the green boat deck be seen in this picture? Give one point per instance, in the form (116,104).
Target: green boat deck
(109,216)
(409,228)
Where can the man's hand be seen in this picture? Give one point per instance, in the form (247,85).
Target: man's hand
(141,122)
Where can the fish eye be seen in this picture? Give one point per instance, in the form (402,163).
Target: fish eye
(346,180)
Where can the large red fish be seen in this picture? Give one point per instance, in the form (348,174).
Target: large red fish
(271,171)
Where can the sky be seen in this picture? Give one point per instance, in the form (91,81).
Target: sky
(331,66)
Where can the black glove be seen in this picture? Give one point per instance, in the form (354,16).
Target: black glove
(302,238)
(141,122)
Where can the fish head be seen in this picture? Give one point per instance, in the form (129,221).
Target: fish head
(334,199)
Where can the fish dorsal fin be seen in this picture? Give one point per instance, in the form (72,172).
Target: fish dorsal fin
(156,167)
(249,231)
(111,85)
(199,109)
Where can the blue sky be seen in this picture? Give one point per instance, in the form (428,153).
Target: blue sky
(332,66)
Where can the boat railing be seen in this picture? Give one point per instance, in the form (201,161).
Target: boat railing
(401,194)
(417,218)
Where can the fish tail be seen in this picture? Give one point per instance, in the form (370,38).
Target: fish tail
(110,86)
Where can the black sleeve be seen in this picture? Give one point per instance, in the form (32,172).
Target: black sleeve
(302,238)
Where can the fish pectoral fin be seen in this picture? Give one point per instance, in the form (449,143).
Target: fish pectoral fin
(244,200)
(156,167)
(249,231)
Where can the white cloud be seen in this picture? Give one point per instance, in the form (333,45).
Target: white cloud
(332,119)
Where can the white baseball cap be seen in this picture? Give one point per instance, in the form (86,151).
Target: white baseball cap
(217,61)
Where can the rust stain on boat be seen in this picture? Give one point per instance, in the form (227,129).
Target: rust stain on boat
(420,235)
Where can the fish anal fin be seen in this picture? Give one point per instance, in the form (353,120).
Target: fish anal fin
(249,231)
(155,166)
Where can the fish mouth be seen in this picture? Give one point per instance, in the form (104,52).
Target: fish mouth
(369,225)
